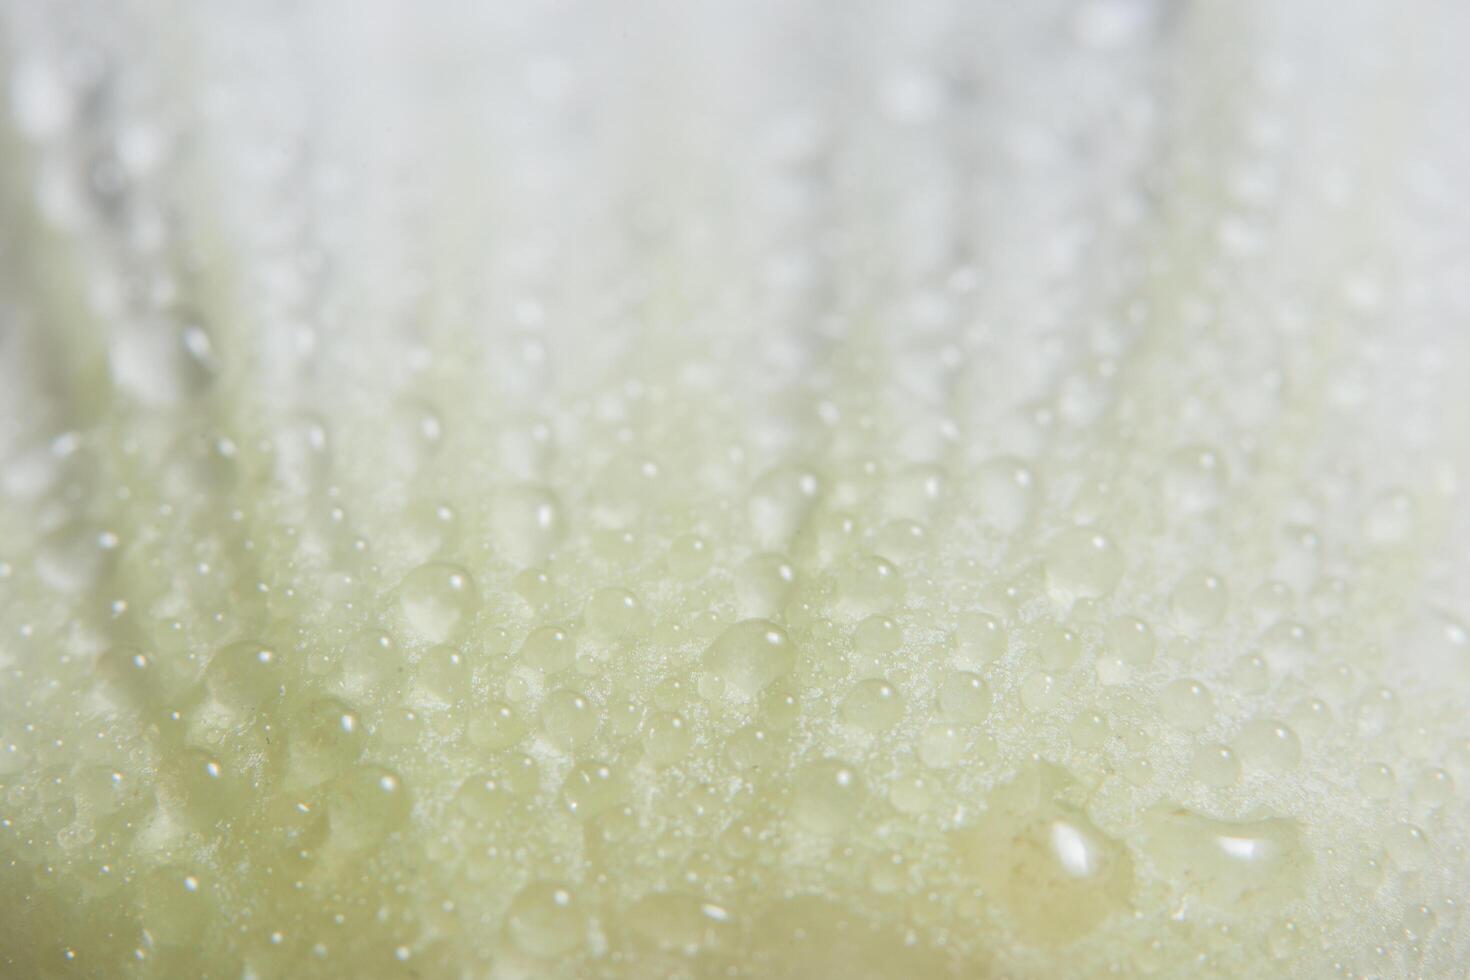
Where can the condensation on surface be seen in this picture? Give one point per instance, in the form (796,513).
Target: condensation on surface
(667,490)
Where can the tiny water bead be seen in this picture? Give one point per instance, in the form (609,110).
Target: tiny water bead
(750,655)
(526,523)
(1407,846)
(546,920)
(1434,788)
(964,697)
(592,787)
(765,582)
(1057,647)
(667,738)
(1082,563)
(496,725)
(438,600)
(612,612)
(1197,479)
(680,921)
(1419,922)
(1199,600)
(877,636)
(689,556)
(1391,519)
(328,737)
(870,584)
(569,719)
(780,706)
(1288,645)
(1251,674)
(1090,730)
(1006,494)
(979,638)
(1312,717)
(549,648)
(781,502)
(366,805)
(1131,639)
(175,903)
(750,749)
(1039,692)
(245,676)
(828,796)
(444,675)
(1215,766)
(1187,705)
(1268,744)
(873,705)
(370,663)
(1377,781)
(484,797)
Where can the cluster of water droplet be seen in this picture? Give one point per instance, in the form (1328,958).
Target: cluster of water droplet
(750,598)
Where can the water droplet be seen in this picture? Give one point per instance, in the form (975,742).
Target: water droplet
(438,600)
(549,649)
(546,920)
(750,655)
(1434,788)
(526,524)
(1288,646)
(327,739)
(1089,730)
(1377,781)
(781,503)
(1057,647)
(1199,601)
(764,583)
(1215,766)
(1082,563)
(869,584)
(964,697)
(877,636)
(1251,674)
(1232,865)
(1391,519)
(613,612)
(689,556)
(570,719)
(1005,494)
(1131,640)
(74,558)
(678,921)
(667,738)
(1268,744)
(1056,873)
(444,675)
(367,805)
(1196,479)
(873,705)
(484,797)
(979,639)
(160,362)
(828,796)
(942,746)
(1407,846)
(1039,692)
(592,787)
(496,726)
(1187,705)
(750,748)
